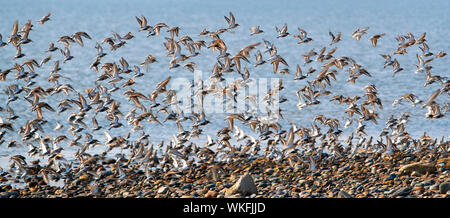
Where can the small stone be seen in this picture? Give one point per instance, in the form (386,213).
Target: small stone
(269,171)
(410,158)
(427,183)
(402,192)
(244,185)
(416,174)
(14,194)
(211,194)
(420,167)
(444,187)
(434,187)
(301,182)
(83,177)
(390,177)
(188,186)
(344,194)
(163,190)
(316,174)
(203,191)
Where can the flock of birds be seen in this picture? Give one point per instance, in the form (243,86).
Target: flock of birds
(297,144)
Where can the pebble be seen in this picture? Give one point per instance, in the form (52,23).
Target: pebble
(408,159)
(416,174)
(390,177)
(420,167)
(402,192)
(188,186)
(444,187)
(267,180)
(163,190)
(434,187)
(211,194)
(344,194)
(244,185)
(427,183)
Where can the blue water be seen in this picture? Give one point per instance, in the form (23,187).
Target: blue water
(99,18)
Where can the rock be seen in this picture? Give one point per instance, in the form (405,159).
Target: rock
(301,182)
(402,192)
(392,176)
(444,187)
(420,167)
(434,187)
(343,194)
(316,174)
(244,185)
(427,183)
(4,195)
(163,190)
(269,171)
(14,194)
(211,194)
(416,174)
(83,177)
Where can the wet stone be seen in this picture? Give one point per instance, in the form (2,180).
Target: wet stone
(344,194)
(422,168)
(244,185)
(402,192)
(444,187)
(163,189)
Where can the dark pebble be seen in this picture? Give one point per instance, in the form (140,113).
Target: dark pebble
(402,192)
(444,187)
(410,158)
(390,177)
(188,186)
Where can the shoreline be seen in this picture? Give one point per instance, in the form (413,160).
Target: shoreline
(363,176)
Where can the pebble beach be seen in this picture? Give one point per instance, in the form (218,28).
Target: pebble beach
(364,176)
(140,106)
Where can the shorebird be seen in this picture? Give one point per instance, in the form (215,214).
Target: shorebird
(357,34)
(440,54)
(38,108)
(276,61)
(1,41)
(255,30)
(143,23)
(410,98)
(374,39)
(19,53)
(299,75)
(6,125)
(282,32)
(45,18)
(77,37)
(147,61)
(66,53)
(231,21)
(334,39)
(396,67)
(259,59)
(66,40)
(14,37)
(303,37)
